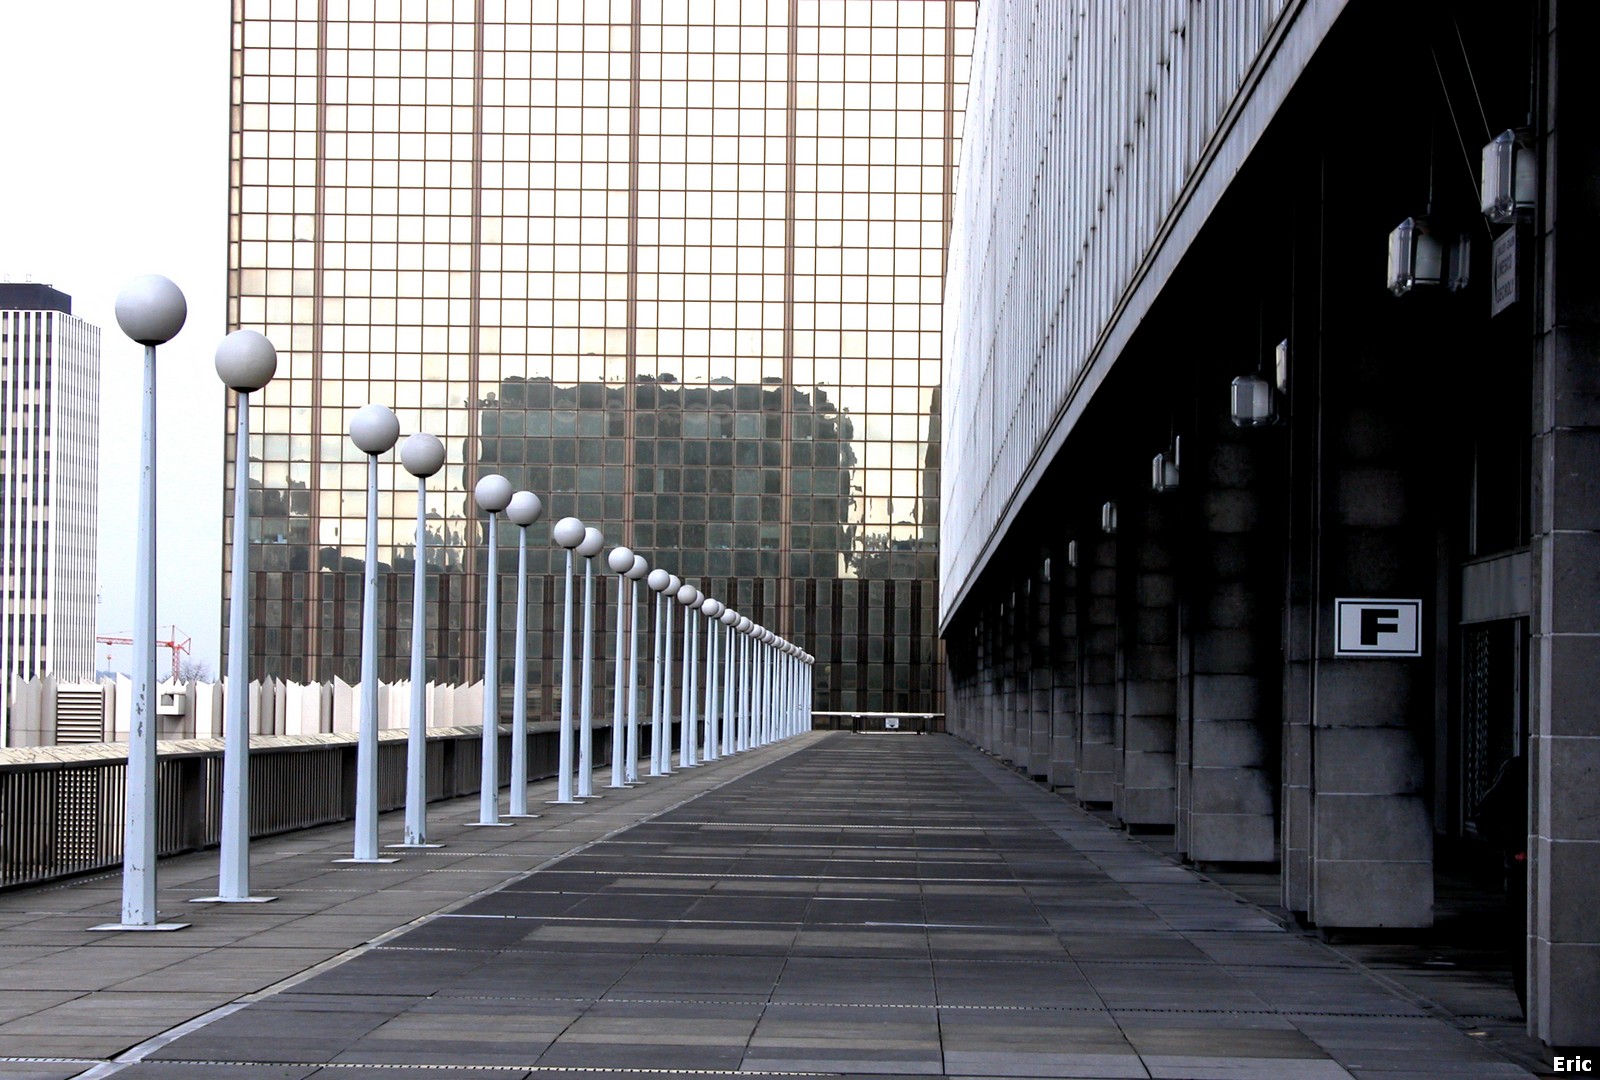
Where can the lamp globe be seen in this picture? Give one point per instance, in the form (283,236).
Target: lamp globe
(246,361)
(374,429)
(524,508)
(568,532)
(151,309)
(422,454)
(492,493)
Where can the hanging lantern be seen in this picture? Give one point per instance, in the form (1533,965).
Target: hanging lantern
(1108,519)
(1072,553)
(1164,470)
(1253,404)
(1510,181)
(1280,365)
(1415,257)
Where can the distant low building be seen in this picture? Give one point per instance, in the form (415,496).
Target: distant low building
(49,486)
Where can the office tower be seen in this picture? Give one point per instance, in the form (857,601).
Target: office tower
(49,488)
(677,267)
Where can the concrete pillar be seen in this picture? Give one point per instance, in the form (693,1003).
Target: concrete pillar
(1012,718)
(1097,667)
(988,676)
(1063,650)
(1228,690)
(1146,665)
(1564,775)
(1040,676)
(1371,829)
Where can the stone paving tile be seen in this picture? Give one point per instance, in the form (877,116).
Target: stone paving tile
(988,982)
(1187,1067)
(211,1070)
(19,1003)
(1031,1064)
(42,1070)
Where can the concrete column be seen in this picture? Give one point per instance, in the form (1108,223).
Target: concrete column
(1011,718)
(994,676)
(1040,676)
(1299,650)
(1022,672)
(1147,666)
(1371,829)
(1228,695)
(1063,651)
(1097,668)
(1564,774)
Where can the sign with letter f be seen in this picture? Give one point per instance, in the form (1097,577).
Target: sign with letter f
(1377,627)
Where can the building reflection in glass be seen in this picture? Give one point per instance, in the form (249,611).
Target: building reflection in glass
(675,266)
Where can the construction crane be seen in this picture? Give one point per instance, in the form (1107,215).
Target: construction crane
(172,641)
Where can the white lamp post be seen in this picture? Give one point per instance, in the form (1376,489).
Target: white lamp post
(744,626)
(711,608)
(151,310)
(768,696)
(658,580)
(758,730)
(593,541)
(763,720)
(245,362)
(621,561)
(492,494)
(422,455)
(687,596)
(780,696)
(374,430)
(523,510)
(634,574)
(569,533)
(729,618)
(792,664)
(674,583)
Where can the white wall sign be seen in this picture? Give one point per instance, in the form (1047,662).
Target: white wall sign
(1376,627)
(1504,291)
(892,723)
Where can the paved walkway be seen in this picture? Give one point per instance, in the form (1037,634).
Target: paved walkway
(836,905)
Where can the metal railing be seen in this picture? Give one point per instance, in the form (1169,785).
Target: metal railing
(61,807)
(911,723)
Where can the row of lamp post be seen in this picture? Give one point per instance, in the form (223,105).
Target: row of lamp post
(757,685)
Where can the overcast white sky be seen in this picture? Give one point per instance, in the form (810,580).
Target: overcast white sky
(114,120)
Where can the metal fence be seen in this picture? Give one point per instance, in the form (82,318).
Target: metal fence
(61,810)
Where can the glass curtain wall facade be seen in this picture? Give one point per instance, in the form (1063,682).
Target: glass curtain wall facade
(676,267)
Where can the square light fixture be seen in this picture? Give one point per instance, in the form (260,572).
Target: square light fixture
(1164,470)
(1415,257)
(1253,403)
(1510,180)
(1420,255)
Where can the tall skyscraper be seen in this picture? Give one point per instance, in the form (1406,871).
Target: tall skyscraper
(49,488)
(676,267)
